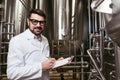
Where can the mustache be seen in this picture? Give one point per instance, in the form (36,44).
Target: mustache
(38,28)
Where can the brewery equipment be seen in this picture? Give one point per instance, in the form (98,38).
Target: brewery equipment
(79,28)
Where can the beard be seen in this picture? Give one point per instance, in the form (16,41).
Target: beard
(37,30)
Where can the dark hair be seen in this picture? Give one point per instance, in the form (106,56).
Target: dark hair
(37,11)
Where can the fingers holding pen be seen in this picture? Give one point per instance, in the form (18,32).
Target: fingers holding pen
(52,60)
(48,64)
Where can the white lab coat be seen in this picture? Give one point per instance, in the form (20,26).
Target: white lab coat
(25,56)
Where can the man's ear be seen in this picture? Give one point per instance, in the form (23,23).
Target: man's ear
(28,22)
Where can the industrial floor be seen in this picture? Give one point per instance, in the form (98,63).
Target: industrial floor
(54,75)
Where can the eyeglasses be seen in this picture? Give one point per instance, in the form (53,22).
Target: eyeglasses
(35,22)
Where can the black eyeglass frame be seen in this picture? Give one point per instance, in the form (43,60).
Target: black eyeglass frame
(35,22)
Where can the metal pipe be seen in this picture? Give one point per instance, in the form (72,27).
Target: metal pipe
(95,65)
(89,24)
(82,60)
(96,26)
(101,40)
(0,46)
(117,61)
(73,19)
(37,4)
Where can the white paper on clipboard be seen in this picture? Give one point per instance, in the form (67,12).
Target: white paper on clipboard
(63,62)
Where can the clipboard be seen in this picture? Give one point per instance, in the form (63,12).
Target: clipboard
(63,62)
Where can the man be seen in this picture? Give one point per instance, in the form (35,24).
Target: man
(29,51)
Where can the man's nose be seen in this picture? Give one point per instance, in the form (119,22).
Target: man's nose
(38,24)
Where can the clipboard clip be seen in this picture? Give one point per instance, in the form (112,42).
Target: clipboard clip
(70,58)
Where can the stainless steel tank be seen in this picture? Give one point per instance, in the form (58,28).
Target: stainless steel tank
(116,6)
(68,20)
(113,29)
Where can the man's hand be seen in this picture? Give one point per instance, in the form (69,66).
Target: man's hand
(48,64)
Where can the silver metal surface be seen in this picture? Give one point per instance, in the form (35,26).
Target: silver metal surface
(113,30)
(116,6)
(99,42)
(62,21)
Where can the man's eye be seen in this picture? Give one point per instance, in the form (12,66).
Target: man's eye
(35,21)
